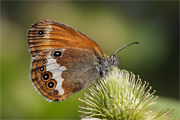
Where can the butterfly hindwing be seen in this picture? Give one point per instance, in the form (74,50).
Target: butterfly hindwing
(60,72)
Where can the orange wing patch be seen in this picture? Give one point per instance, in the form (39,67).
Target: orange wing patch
(45,35)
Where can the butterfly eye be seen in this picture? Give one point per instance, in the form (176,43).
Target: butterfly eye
(46,76)
(42,69)
(43,61)
(40,32)
(51,84)
(56,53)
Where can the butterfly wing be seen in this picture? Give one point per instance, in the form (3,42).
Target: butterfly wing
(63,59)
(46,35)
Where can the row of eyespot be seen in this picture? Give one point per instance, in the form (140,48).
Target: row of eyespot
(46,76)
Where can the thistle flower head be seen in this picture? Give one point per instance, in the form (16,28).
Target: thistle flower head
(120,95)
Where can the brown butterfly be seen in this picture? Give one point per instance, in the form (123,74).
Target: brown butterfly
(65,60)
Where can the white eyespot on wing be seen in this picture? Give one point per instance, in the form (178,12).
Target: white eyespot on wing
(56,71)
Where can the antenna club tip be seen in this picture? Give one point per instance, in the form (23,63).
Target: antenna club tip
(136,42)
(124,47)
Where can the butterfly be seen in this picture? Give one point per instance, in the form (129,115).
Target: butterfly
(64,60)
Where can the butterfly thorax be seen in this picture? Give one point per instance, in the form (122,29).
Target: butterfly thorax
(106,63)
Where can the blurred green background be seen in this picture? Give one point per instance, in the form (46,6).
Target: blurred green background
(111,24)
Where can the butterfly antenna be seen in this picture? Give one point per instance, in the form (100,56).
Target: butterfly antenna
(124,47)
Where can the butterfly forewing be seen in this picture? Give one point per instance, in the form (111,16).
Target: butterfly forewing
(45,35)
